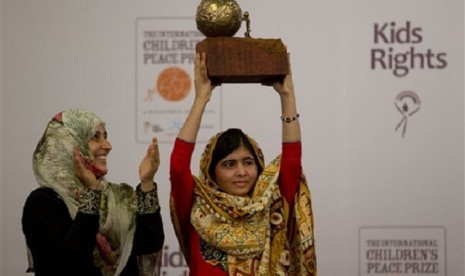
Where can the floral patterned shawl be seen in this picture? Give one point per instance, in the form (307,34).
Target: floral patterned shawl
(53,168)
(260,235)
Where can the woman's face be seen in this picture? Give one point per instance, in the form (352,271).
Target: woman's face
(237,172)
(100,147)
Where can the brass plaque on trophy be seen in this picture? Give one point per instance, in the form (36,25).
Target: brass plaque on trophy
(234,59)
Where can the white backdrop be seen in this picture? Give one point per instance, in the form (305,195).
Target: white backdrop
(376,190)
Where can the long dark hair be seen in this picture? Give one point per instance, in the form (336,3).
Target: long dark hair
(229,141)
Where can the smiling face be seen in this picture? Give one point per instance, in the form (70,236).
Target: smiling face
(100,147)
(237,172)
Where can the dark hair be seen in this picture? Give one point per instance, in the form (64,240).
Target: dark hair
(228,142)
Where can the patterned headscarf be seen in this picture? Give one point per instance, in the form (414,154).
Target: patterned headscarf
(53,168)
(257,235)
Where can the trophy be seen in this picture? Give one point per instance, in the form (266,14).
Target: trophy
(237,59)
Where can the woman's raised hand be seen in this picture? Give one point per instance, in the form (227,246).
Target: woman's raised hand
(290,125)
(203,92)
(203,85)
(82,170)
(149,166)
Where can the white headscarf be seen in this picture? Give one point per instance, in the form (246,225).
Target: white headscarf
(53,168)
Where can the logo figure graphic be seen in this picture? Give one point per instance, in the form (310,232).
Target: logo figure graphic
(407,103)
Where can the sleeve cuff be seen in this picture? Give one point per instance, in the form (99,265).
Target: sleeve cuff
(147,202)
(89,201)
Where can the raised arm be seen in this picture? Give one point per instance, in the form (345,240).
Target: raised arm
(289,115)
(203,90)
(182,182)
(291,167)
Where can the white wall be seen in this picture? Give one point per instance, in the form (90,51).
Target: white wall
(367,181)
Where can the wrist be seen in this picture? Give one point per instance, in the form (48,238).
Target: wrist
(290,119)
(93,185)
(146,186)
(201,101)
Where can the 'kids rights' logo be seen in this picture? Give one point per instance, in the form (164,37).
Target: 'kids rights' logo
(397,48)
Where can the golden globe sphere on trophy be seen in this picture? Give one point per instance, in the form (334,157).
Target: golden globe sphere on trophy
(237,59)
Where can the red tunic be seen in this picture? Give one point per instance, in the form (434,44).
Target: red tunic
(182,191)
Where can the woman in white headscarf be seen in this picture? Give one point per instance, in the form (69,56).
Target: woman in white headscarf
(79,223)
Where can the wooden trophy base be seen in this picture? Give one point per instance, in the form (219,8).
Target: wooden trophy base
(244,60)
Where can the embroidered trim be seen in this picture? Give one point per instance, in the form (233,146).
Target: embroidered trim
(89,201)
(147,202)
(213,256)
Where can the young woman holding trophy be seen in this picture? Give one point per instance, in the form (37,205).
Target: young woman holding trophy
(240,217)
